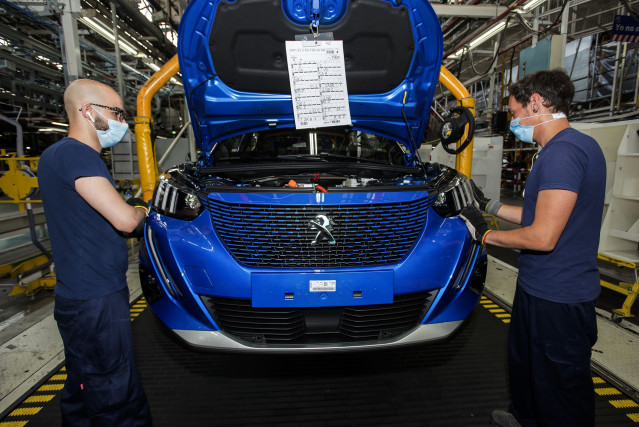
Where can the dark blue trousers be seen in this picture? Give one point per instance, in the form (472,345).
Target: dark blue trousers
(102,387)
(549,350)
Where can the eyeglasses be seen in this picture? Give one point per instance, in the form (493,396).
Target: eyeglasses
(119,113)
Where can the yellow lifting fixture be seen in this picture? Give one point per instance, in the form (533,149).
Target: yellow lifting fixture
(19,183)
(29,284)
(18,180)
(631,290)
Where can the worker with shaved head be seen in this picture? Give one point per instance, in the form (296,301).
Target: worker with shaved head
(87,221)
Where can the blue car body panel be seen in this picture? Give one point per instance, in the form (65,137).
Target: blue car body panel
(221,111)
(252,269)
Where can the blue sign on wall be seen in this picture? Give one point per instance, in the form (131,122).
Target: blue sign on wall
(625,29)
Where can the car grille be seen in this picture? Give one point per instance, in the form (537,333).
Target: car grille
(281,236)
(318,325)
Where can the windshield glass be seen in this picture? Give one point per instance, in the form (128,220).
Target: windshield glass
(279,144)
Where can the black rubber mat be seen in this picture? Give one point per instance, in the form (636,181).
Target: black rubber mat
(456,383)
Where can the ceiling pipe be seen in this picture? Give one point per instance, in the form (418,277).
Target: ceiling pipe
(483,28)
(455,20)
(147,27)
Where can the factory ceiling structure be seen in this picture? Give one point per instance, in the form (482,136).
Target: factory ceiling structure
(45,44)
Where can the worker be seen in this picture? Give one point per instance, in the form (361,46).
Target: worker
(553,325)
(87,220)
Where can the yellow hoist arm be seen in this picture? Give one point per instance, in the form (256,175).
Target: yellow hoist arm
(146,155)
(464,160)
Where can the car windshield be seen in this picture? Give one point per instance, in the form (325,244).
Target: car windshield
(311,144)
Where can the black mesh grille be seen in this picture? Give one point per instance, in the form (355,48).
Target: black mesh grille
(281,236)
(318,325)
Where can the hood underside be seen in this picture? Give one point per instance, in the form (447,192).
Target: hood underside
(233,62)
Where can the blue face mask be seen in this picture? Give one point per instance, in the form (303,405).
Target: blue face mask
(114,134)
(525,133)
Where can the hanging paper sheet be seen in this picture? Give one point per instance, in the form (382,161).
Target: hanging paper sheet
(318,83)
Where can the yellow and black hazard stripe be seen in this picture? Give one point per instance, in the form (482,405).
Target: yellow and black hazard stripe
(616,398)
(495,309)
(33,404)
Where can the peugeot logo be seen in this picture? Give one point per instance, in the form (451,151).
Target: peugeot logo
(324,227)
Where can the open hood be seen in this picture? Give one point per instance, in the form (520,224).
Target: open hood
(233,62)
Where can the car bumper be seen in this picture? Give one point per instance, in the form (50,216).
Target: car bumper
(216,340)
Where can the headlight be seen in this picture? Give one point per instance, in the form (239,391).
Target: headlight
(174,200)
(453,196)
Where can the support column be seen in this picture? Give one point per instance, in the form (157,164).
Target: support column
(564,34)
(71,46)
(118,61)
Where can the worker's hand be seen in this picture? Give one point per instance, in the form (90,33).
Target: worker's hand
(139,203)
(475,222)
(485,204)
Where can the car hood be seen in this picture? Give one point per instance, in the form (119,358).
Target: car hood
(233,63)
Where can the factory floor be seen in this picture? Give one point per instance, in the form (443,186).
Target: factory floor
(463,379)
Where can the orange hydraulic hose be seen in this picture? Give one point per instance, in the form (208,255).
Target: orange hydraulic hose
(464,160)
(146,155)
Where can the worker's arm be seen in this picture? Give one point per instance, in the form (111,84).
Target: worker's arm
(494,207)
(552,212)
(98,192)
(510,213)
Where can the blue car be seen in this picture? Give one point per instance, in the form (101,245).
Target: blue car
(290,237)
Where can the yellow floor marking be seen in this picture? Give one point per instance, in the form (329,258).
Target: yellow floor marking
(497,310)
(502,315)
(607,391)
(634,417)
(140,306)
(598,380)
(624,403)
(13,423)
(58,377)
(25,411)
(505,320)
(51,387)
(491,306)
(39,398)
(137,310)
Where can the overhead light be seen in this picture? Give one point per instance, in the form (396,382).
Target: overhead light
(60,124)
(491,32)
(531,5)
(105,32)
(53,130)
(152,66)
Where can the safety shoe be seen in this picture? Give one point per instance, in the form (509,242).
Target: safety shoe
(504,419)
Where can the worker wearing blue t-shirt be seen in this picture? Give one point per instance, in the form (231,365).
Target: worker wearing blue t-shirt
(86,218)
(553,325)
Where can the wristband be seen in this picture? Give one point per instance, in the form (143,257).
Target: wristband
(483,239)
(145,208)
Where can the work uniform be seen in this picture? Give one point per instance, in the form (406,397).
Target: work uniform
(553,325)
(92,298)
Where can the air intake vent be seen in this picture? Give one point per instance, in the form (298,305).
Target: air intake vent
(283,236)
(281,326)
